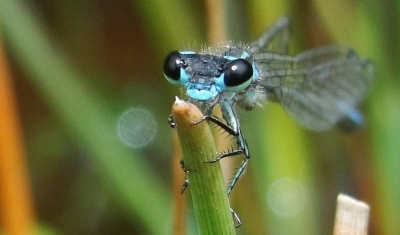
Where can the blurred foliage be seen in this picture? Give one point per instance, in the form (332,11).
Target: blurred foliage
(78,65)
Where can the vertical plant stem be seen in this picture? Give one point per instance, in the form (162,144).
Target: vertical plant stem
(351,216)
(210,200)
(216,21)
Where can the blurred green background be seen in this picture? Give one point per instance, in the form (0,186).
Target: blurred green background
(78,66)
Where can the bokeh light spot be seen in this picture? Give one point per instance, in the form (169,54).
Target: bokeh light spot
(286,197)
(136,127)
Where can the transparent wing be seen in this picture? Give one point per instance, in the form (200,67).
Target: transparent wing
(275,39)
(318,87)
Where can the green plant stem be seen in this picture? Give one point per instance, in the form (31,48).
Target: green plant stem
(210,200)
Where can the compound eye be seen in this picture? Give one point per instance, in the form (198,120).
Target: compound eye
(237,75)
(172,67)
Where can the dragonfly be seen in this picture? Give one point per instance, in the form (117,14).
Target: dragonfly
(319,88)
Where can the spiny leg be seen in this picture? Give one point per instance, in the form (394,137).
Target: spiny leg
(242,149)
(186,183)
(237,219)
(181,162)
(233,128)
(231,153)
(219,123)
(229,114)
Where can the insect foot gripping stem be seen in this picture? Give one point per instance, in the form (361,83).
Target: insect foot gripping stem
(207,186)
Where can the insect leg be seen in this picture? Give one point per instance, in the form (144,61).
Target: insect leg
(186,183)
(171,121)
(237,219)
(229,114)
(233,128)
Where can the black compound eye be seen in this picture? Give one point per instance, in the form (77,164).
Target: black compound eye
(238,74)
(172,67)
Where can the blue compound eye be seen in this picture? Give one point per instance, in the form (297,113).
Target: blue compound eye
(172,67)
(237,75)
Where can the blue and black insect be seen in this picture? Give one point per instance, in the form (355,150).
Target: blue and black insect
(319,88)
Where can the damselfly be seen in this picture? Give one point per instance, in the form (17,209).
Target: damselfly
(318,88)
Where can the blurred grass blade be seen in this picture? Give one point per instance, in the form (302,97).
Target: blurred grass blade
(385,100)
(372,35)
(160,20)
(16,209)
(74,103)
(281,157)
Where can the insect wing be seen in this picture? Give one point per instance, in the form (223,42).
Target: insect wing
(275,39)
(318,87)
